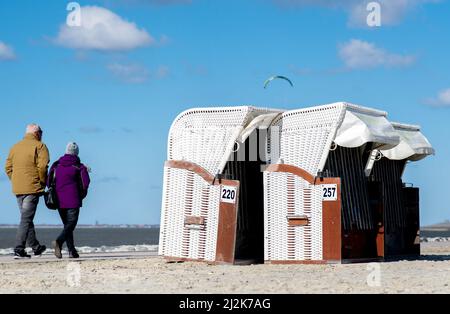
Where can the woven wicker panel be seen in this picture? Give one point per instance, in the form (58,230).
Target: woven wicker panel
(187,194)
(305,136)
(289,195)
(203,135)
(275,212)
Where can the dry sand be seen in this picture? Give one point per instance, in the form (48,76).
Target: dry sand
(141,274)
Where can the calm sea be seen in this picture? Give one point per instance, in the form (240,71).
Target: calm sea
(93,237)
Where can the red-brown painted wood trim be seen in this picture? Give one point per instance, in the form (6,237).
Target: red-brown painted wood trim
(207,176)
(187,165)
(292,169)
(298,220)
(380,241)
(226,233)
(194,220)
(332,223)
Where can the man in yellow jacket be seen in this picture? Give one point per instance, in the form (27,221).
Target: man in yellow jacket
(26,167)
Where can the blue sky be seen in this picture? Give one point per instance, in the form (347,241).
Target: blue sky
(159,57)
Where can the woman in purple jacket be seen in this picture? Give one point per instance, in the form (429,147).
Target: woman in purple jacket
(72,184)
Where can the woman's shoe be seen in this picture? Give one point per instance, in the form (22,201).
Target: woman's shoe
(57,249)
(74,254)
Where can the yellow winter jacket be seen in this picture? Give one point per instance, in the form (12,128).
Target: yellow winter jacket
(27,166)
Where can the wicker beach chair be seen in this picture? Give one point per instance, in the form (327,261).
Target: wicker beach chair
(204,217)
(321,188)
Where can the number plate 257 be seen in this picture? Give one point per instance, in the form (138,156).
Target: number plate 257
(329,192)
(228,194)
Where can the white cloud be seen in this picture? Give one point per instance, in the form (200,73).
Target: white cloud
(392,11)
(442,99)
(358,54)
(103,30)
(129,73)
(6,52)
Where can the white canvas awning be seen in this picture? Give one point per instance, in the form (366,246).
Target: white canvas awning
(260,122)
(363,125)
(413,144)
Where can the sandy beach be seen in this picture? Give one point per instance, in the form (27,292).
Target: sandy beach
(147,273)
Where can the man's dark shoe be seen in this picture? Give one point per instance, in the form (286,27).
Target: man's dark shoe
(74,254)
(41,249)
(57,249)
(21,255)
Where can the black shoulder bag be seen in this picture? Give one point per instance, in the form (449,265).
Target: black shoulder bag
(50,197)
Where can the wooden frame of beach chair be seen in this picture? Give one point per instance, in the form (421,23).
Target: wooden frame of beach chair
(293,187)
(204,216)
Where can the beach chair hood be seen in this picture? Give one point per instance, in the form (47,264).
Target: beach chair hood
(362,125)
(207,136)
(413,144)
(306,135)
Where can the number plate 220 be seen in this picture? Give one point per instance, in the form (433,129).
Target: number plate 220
(228,194)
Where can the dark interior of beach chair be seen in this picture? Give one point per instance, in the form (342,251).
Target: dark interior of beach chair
(245,166)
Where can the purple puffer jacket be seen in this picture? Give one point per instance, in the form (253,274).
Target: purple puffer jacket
(72,181)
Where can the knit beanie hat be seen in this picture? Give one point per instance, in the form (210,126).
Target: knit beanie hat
(72,149)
